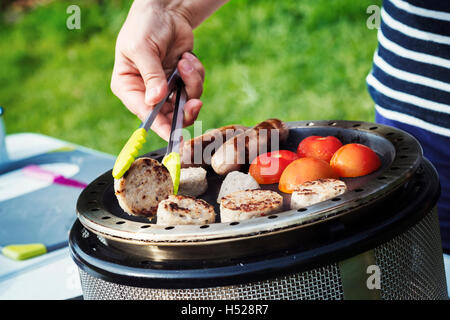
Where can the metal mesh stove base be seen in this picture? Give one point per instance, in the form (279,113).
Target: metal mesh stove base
(321,283)
(411,267)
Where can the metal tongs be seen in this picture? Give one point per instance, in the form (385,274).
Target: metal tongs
(172,158)
(178,116)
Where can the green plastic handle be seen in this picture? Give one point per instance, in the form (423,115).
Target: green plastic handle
(172,162)
(129,153)
(24,251)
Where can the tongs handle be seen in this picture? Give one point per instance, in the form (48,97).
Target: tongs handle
(131,149)
(171,83)
(178,118)
(172,159)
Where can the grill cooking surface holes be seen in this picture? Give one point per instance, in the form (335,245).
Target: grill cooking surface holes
(122,230)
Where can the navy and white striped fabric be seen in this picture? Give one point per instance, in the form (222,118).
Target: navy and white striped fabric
(410,83)
(410,80)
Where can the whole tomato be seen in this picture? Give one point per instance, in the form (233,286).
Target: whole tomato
(318,147)
(267,167)
(302,170)
(354,160)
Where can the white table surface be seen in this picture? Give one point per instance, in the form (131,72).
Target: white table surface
(53,275)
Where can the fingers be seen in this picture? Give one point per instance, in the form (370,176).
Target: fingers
(162,126)
(128,85)
(196,62)
(149,65)
(192,73)
(132,93)
(191,111)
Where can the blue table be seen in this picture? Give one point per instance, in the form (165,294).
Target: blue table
(32,211)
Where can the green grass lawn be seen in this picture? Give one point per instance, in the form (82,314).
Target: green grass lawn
(295,60)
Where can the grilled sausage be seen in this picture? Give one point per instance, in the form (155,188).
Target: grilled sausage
(312,192)
(197,152)
(193,182)
(243,205)
(236,181)
(243,148)
(177,210)
(143,186)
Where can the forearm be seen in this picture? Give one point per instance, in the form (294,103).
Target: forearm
(199,10)
(194,11)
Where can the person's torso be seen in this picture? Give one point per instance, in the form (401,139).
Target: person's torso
(410,79)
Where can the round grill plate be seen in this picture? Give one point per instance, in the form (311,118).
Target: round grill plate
(400,153)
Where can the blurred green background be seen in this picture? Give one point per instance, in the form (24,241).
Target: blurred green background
(294,60)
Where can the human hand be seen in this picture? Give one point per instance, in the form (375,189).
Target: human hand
(155,38)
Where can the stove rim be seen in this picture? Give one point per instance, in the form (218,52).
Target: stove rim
(263,269)
(90,209)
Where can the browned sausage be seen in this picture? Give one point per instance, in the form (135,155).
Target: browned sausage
(243,148)
(198,151)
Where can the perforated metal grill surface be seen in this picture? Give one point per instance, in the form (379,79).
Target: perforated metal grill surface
(411,267)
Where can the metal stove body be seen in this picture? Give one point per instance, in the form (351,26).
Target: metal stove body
(385,226)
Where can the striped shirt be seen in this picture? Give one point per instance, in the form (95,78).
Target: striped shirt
(410,78)
(410,83)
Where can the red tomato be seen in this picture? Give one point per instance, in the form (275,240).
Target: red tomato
(267,167)
(302,170)
(354,160)
(318,147)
